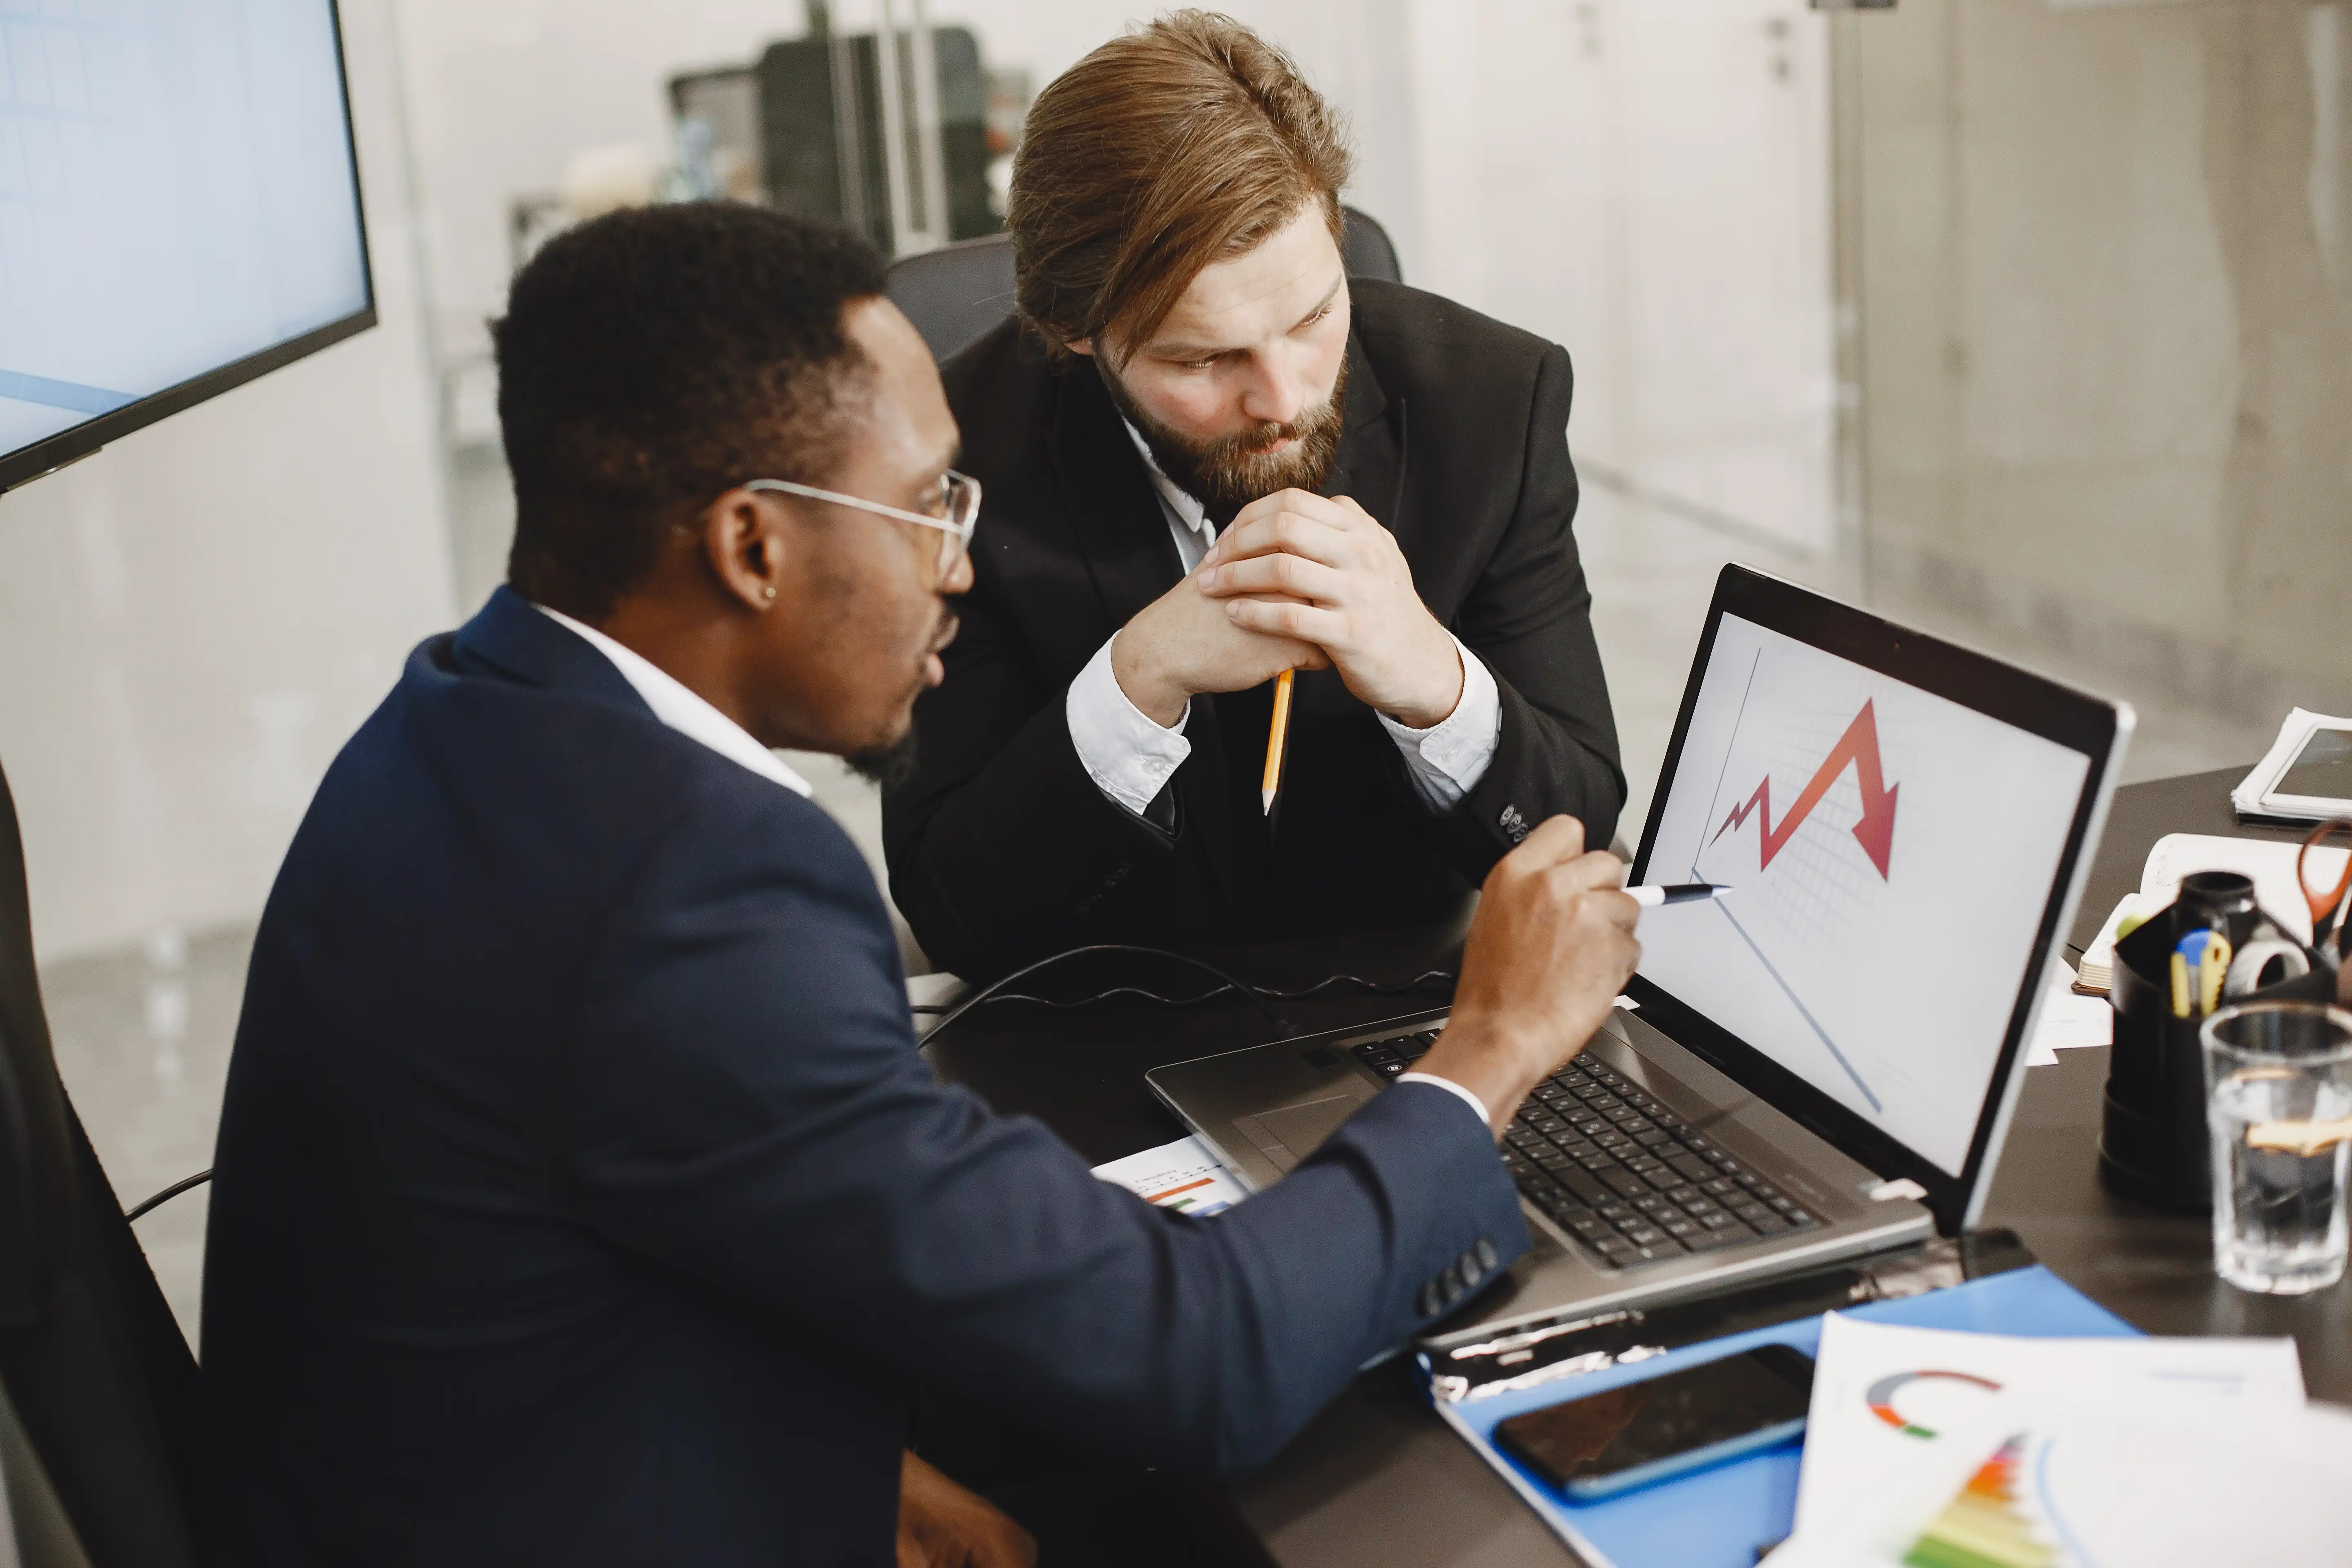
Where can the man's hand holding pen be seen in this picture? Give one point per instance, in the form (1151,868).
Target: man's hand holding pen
(1184,643)
(1549,950)
(1297,581)
(1319,569)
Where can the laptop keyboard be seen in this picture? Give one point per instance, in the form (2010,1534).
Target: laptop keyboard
(1618,1169)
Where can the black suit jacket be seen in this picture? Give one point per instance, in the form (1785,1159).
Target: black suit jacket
(1002,848)
(582,1198)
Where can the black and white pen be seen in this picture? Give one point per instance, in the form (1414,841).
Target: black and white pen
(1650,897)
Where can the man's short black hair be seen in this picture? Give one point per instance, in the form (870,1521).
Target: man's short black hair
(651,360)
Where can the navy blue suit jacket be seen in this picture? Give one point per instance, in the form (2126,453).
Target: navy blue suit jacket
(582,1197)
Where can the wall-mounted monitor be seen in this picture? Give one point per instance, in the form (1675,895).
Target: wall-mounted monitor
(179,211)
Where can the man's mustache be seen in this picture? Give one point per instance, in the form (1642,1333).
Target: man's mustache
(1254,442)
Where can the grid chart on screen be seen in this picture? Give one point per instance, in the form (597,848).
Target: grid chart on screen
(1822,889)
(58,89)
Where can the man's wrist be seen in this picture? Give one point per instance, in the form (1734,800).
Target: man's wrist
(1155,696)
(1488,1057)
(1437,705)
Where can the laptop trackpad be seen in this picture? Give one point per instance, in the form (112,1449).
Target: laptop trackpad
(1288,1135)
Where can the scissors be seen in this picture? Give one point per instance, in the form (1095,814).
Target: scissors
(2324,905)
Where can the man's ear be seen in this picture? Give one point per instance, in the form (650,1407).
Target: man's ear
(743,541)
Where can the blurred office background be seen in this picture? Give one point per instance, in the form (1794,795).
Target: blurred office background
(2024,320)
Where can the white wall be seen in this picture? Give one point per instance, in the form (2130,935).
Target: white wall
(506,91)
(1649,184)
(194,620)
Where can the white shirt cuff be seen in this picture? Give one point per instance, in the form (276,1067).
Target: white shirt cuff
(1452,1088)
(1130,758)
(1446,761)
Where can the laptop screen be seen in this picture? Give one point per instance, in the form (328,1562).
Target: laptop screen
(1891,856)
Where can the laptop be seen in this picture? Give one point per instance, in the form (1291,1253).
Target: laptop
(1820,1063)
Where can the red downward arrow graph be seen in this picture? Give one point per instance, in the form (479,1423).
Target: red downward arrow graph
(1875,832)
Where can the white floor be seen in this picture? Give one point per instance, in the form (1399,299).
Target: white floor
(143,1036)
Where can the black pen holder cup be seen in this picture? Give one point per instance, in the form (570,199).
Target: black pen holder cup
(2152,1140)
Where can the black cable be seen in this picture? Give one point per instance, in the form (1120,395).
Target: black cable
(1261,997)
(1256,998)
(1377,988)
(168,1194)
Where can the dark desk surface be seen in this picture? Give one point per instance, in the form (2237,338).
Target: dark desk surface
(1377,1478)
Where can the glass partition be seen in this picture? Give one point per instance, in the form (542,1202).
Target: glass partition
(2095,259)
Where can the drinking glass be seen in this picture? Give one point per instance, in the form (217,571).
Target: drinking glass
(2278,1080)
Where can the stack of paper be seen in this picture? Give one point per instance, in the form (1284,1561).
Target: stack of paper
(1934,1449)
(2068,1019)
(2097,977)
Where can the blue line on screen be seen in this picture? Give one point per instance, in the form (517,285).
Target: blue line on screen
(1806,1012)
(40,389)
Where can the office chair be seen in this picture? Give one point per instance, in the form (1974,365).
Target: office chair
(101,1383)
(957,292)
(1366,249)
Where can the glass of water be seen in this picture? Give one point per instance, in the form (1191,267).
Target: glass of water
(2278,1080)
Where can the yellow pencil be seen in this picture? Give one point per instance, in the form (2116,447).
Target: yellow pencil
(1276,735)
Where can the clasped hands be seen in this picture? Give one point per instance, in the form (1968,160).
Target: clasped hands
(1297,581)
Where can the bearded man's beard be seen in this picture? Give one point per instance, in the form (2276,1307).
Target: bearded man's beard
(1228,473)
(891,766)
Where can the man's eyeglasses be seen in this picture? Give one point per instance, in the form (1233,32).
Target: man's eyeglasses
(958,509)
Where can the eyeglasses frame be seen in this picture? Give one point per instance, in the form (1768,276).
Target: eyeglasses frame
(959,484)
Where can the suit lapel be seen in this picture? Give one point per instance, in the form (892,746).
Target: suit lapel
(1114,514)
(1369,467)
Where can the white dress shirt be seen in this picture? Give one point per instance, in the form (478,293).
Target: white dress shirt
(675,705)
(1459,1091)
(1131,758)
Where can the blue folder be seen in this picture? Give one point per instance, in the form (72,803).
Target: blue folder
(1718,1517)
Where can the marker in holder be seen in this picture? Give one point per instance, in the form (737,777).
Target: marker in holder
(2170,973)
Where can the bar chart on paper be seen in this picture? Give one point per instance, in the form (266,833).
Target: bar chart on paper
(1181,1176)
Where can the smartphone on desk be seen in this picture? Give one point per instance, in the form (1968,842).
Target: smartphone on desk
(1640,1433)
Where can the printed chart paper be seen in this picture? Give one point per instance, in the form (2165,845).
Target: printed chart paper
(1887,1398)
(2085,1484)
(1183,1176)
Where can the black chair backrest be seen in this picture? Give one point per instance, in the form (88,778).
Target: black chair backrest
(1366,250)
(957,292)
(98,1374)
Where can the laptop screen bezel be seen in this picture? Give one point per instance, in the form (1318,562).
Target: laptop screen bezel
(2087,725)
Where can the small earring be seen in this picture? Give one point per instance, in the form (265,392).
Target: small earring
(769,594)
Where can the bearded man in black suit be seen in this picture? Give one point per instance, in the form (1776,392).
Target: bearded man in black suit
(1210,456)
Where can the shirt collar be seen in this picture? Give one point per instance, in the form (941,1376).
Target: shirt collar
(1181,504)
(676,705)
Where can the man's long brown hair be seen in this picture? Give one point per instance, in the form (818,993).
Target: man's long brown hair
(1185,143)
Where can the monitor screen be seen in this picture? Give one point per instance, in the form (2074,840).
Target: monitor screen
(1891,856)
(179,210)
